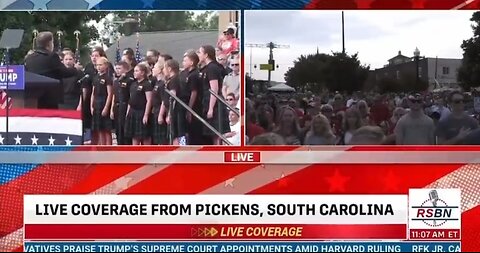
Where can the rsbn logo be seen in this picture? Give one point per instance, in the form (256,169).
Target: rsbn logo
(434,211)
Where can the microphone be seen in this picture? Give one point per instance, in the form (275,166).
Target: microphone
(433,197)
(83,78)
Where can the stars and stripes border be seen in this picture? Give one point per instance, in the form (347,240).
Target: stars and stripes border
(240,4)
(242,179)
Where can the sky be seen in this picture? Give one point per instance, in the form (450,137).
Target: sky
(375,35)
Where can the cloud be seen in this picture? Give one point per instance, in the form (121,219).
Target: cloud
(375,35)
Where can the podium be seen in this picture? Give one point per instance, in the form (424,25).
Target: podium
(35,87)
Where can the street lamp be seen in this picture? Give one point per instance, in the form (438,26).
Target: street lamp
(416,55)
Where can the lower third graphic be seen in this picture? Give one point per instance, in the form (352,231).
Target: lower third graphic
(434,214)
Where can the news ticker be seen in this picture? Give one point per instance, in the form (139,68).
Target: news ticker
(242,246)
(424,214)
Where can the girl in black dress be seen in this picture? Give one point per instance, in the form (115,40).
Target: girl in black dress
(176,118)
(87,84)
(159,127)
(129,57)
(212,78)
(100,104)
(139,107)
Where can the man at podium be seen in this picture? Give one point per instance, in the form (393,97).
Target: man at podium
(47,63)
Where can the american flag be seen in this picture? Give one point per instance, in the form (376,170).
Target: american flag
(119,55)
(41,127)
(138,56)
(3,61)
(5,100)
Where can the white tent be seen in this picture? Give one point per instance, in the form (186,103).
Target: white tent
(281,87)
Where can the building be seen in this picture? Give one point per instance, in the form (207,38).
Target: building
(437,72)
(228,19)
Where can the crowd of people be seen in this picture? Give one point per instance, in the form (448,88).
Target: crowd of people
(140,103)
(364,118)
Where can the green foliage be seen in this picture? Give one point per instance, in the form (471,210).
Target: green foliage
(336,72)
(67,22)
(406,83)
(166,21)
(469,72)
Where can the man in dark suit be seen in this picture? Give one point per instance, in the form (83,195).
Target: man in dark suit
(47,63)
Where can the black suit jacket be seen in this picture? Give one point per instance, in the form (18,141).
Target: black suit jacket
(45,63)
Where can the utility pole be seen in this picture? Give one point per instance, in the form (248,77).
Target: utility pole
(343,33)
(271,61)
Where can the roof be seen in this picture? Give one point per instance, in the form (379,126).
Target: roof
(174,43)
(281,87)
(403,57)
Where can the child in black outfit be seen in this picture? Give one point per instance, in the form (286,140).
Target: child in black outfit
(176,116)
(159,127)
(101,102)
(118,113)
(139,107)
(212,79)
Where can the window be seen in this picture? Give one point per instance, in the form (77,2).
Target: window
(446,70)
(398,74)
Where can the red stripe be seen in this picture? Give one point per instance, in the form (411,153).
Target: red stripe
(177,231)
(45,179)
(470,231)
(281,148)
(101,175)
(187,148)
(184,179)
(415,148)
(43,113)
(358,179)
(126,148)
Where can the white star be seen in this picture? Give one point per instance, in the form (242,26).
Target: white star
(51,141)
(1,139)
(18,140)
(40,4)
(229,182)
(147,3)
(68,142)
(34,140)
(92,3)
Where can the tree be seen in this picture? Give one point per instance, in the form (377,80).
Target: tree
(336,72)
(166,21)
(67,22)
(469,71)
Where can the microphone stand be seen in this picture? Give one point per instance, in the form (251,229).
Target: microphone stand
(7,59)
(81,114)
(81,111)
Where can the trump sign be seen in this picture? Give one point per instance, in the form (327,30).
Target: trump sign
(13,76)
